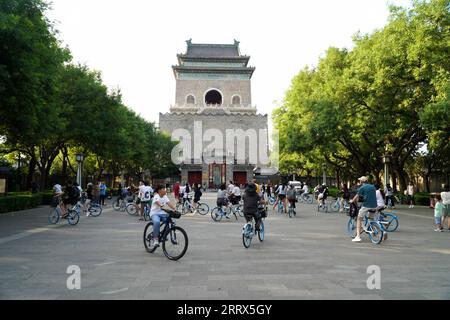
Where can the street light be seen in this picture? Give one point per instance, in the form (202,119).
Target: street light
(386,161)
(80,158)
(324,167)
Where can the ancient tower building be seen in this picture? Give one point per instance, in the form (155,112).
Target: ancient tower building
(213,93)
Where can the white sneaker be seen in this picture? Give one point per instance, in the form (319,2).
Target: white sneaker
(155,243)
(357,239)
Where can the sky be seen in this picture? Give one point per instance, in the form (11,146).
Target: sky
(134,43)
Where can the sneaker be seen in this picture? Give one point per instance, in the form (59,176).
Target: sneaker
(357,239)
(227,216)
(385,236)
(438,230)
(155,243)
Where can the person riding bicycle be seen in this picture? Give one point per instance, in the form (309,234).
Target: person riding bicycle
(389,192)
(290,195)
(345,196)
(281,192)
(89,197)
(368,192)
(145,194)
(197,195)
(222,199)
(235,194)
(323,195)
(72,196)
(156,213)
(251,202)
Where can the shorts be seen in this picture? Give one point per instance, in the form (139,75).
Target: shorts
(437,220)
(196,200)
(446,210)
(144,203)
(281,197)
(138,201)
(221,202)
(363,211)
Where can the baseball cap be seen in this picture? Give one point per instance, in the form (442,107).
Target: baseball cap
(363,179)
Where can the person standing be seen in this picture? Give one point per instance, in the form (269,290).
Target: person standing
(345,196)
(438,214)
(102,188)
(445,195)
(197,196)
(389,192)
(410,193)
(176,191)
(368,192)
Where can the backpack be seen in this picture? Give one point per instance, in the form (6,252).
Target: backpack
(290,194)
(353,212)
(74,192)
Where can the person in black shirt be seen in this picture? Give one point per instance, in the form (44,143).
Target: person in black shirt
(251,201)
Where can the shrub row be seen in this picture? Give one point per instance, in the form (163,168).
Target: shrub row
(21,202)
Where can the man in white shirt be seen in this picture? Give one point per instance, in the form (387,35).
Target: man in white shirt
(445,195)
(157,214)
(57,189)
(145,194)
(236,194)
(230,188)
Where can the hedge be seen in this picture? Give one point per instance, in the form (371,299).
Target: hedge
(21,202)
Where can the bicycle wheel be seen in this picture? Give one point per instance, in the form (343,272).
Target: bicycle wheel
(309,199)
(179,207)
(131,209)
(203,208)
(147,214)
(73,217)
(335,206)
(389,222)
(215,214)
(54,215)
(271,200)
(351,227)
(247,235)
(148,236)
(116,206)
(175,243)
(95,210)
(375,232)
(291,212)
(261,231)
(239,209)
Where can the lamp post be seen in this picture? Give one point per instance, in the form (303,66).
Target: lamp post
(386,161)
(324,167)
(80,158)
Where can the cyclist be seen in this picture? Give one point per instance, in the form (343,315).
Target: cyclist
(176,191)
(235,194)
(222,198)
(368,192)
(323,195)
(251,201)
(72,194)
(258,188)
(156,213)
(345,196)
(290,195)
(146,196)
(281,191)
(89,197)
(197,195)
(389,192)
(305,190)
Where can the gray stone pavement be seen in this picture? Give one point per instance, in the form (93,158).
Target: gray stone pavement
(307,257)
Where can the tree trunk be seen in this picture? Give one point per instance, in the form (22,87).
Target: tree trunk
(394,180)
(427,182)
(31,169)
(402,179)
(64,166)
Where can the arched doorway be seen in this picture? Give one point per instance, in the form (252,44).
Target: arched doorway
(213,97)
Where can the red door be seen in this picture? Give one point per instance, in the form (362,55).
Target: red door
(194,177)
(240,177)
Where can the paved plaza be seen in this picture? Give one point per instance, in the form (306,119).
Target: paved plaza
(307,257)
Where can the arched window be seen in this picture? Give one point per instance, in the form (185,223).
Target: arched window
(236,100)
(213,97)
(190,99)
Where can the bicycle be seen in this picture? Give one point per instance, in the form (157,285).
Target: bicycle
(271,200)
(248,229)
(335,205)
(186,207)
(95,209)
(371,227)
(280,206)
(218,212)
(291,210)
(302,198)
(72,215)
(121,206)
(178,237)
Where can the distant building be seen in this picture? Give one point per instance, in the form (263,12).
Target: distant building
(213,91)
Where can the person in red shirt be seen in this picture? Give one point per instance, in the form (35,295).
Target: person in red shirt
(176,191)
